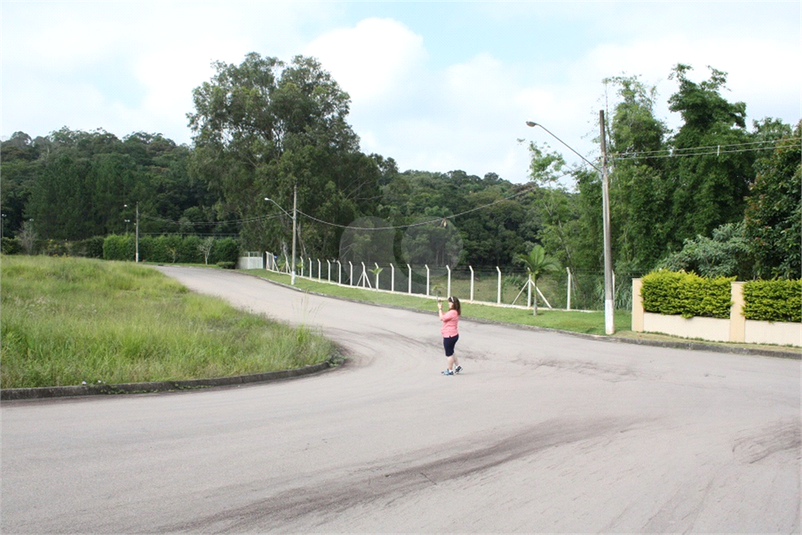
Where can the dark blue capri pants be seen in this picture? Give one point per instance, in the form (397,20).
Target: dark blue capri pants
(449,343)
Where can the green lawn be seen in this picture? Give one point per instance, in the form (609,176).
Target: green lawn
(69,320)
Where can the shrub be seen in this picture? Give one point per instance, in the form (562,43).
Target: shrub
(686,294)
(775,300)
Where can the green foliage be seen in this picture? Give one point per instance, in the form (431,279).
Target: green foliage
(727,254)
(686,294)
(772,219)
(169,249)
(774,300)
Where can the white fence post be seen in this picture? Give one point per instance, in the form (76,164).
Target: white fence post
(471,268)
(448,291)
(351,272)
(498,299)
(377,274)
(568,307)
(392,277)
(410,278)
(339,273)
(328,266)
(427,279)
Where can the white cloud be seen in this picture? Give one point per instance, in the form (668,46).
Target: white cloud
(372,61)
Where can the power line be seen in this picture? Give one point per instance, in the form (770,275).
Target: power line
(704,150)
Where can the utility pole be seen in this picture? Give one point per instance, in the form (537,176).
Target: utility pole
(609,303)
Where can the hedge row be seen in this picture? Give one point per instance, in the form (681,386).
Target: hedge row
(686,294)
(170,249)
(776,300)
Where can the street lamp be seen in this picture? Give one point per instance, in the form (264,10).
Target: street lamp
(294,212)
(609,306)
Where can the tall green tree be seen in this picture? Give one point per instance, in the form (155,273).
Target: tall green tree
(711,170)
(639,185)
(263,128)
(772,217)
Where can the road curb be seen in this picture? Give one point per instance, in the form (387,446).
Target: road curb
(164,386)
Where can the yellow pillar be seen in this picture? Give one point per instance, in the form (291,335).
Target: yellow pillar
(737,319)
(637,306)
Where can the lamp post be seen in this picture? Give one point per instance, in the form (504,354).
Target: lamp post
(294,212)
(609,305)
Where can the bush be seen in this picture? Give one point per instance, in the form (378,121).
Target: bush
(89,248)
(117,247)
(686,294)
(10,246)
(225,250)
(775,300)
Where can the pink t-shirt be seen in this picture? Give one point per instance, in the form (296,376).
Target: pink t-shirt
(450,320)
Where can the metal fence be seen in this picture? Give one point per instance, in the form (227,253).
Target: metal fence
(561,290)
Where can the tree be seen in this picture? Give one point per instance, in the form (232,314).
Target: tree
(639,186)
(262,128)
(537,262)
(772,217)
(710,170)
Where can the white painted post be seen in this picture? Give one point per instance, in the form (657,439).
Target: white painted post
(498,299)
(377,274)
(319,269)
(328,264)
(427,279)
(449,280)
(351,272)
(569,287)
(471,268)
(339,273)
(392,277)
(409,268)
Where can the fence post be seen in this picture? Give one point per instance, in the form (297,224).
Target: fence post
(339,273)
(392,278)
(498,300)
(319,269)
(328,266)
(377,274)
(471,268)
(427,279)
(568,270)
(448,291)
(410,278)
(351,273)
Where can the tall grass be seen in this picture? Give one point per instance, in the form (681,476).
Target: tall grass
(64,321)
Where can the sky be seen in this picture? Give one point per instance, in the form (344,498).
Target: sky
(437,86)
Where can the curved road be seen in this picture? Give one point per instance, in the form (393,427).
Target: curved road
(543,432)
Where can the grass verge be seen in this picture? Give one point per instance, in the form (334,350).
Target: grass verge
(69,320)
(573,321)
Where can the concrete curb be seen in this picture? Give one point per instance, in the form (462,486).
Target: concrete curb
(166,386)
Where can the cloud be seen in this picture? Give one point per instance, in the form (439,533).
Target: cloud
(372,61)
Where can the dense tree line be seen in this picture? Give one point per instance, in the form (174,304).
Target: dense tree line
(713,196)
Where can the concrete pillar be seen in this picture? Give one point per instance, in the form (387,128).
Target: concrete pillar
(637,306)
(737,319)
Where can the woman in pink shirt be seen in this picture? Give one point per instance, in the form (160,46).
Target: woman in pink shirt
(450,332)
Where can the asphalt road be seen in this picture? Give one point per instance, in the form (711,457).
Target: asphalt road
(542,432)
